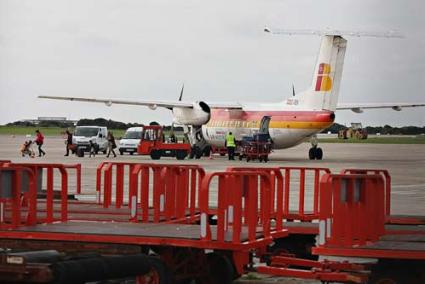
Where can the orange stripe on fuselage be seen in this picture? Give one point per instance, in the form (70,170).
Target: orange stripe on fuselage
(279,119)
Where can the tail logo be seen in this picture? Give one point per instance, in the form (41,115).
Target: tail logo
(324,82)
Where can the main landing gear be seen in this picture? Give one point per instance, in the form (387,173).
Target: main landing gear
(315,153)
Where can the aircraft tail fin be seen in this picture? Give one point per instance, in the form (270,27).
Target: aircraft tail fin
(324,90)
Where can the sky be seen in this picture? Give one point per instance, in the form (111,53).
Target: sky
(148,49)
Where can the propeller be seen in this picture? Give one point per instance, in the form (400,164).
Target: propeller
(181,93)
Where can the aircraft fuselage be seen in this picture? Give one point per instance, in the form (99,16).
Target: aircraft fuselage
(286,128)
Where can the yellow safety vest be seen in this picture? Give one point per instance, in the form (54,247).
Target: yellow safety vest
(230,140)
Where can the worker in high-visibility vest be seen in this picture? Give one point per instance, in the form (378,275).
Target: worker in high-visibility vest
(230,144)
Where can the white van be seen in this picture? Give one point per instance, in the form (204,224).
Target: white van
(131,140)
(97,134)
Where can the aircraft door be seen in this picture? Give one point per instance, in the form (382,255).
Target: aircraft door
(264,125)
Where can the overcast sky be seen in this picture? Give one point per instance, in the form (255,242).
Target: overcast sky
(148,49)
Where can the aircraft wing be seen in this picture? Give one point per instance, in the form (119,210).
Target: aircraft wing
(149,103)
(358,108)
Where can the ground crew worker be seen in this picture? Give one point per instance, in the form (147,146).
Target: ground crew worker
(39,140)
(230,144)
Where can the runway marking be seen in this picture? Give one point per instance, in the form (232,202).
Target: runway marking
(408,185)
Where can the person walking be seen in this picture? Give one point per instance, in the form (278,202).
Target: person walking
(68,142)
(230,144)
(39,140)
(111,144)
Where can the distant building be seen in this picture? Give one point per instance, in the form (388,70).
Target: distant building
(50,119)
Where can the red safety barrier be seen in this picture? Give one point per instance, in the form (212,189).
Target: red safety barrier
(4,161)
(300,213)
(172,189)
(36,167)
(239,218)
(351,209)
(276,191)
(107,169)
(77,168)
(16,192)
(387,179)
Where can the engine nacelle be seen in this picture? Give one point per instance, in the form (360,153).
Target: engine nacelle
(198,115)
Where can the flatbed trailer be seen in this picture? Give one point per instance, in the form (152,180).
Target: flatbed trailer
(180,223)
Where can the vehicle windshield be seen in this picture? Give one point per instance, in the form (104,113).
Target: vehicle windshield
(133,135)
(86,131)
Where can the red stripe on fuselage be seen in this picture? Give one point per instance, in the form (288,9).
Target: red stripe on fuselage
(304,116)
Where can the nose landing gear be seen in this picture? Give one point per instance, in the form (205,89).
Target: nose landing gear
(315,153)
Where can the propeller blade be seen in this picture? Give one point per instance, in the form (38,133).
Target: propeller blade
(181,93)
(293,90)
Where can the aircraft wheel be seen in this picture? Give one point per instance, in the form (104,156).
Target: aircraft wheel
(312,153)
(198,153)
(319,153)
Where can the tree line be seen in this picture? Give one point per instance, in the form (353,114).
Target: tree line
(384,130)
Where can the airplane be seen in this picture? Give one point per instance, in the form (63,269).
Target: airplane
(289,122)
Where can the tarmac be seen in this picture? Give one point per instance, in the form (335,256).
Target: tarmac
(405,163)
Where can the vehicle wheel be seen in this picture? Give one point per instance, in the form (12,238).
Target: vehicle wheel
(181,154)
(311,153)
(155,154)
(80,152)
(319,153)
(220,269)
(248,159)
(131,153)
(121,152)
(266,159)
(260,159)
(240,157)
(96,148)
(104,152)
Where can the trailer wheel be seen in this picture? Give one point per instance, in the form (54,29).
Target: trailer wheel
(385,277)
(181,154)
(220,269)
(159,274)
(155,154)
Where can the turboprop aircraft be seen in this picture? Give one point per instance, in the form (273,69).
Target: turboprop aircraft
(288,122)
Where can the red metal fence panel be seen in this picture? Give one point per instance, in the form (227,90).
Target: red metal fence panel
(387,179)
(351,209)
(238,206)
